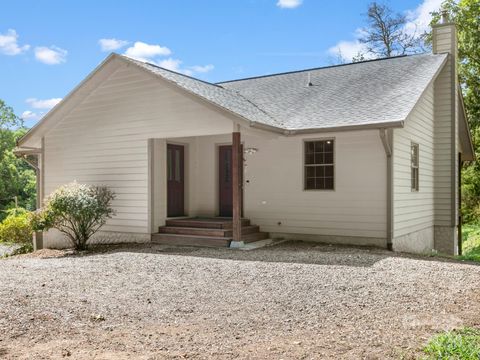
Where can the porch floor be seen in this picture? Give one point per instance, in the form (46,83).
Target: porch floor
(203,231)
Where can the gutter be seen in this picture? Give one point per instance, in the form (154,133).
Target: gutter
(292,132)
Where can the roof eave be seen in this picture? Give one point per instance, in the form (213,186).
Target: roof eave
(369,126)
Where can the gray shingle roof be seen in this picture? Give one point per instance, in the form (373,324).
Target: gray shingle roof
(366,93)
(230,100)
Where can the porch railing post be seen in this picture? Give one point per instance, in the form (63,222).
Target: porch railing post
(236,185)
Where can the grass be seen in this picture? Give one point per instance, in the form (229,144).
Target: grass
(471,242)
(463,344)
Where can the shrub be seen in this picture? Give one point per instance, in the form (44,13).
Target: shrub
(16,227)
(76,210)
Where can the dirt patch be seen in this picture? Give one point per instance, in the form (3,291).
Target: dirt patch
(289,301)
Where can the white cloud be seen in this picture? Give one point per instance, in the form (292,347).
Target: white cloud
(43,104)
(153,54)
(418,21)
(419,18)
(170,64)
(202,69)
(289,4)
(146,52)
(9,43)
(112,44)
(29,115)
(51,55)
(347,49)
(174,65)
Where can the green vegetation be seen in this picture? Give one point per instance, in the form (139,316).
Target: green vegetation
(17,178)
(76,210)
(471,242)
(463,344)
(16,227)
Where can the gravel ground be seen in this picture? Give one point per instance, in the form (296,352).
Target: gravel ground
(291,301)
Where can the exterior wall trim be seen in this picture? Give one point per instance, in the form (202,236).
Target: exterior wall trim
(387,140)
(453,114)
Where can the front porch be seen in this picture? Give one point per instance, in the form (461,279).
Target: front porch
(197,191)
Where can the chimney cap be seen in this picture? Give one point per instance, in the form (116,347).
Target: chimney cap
(444,17)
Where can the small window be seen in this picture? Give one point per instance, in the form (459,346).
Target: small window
(414,156)
(318,165)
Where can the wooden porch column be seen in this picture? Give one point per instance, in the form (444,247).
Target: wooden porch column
(237,186)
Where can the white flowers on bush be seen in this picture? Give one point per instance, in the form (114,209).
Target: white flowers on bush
(78,211)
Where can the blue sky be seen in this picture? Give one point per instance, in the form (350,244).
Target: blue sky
(48,47)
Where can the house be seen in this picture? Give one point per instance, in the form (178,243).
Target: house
(365,154)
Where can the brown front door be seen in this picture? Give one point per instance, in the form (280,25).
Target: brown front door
(225,180)
(175,180)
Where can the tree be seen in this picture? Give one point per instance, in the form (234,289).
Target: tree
(17,179)
(386,35)
(466,15)
(8,117)
(76,210)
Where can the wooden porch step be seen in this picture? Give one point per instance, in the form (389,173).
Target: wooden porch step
(209,241)
(210,232)
(191,240)
(248,238)
(209,223)
(183,230)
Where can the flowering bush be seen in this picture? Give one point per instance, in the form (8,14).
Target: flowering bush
(16,227)
(76,210)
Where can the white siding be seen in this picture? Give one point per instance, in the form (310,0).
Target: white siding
(414,211)
(357,206)
(274,185)
(104,139)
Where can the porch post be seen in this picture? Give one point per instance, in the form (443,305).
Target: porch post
(236,184)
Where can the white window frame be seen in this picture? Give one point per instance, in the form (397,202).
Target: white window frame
(414,167)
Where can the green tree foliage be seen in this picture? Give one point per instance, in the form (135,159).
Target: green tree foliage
(466,14)
(76,210)
(16,227)
(17,178)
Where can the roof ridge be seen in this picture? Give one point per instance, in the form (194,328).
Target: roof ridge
(319,68)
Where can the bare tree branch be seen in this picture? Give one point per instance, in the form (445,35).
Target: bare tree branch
(385,35)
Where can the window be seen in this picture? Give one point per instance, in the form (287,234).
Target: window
(414,156)
(318,165)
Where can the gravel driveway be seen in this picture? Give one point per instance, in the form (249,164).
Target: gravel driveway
(284,302)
